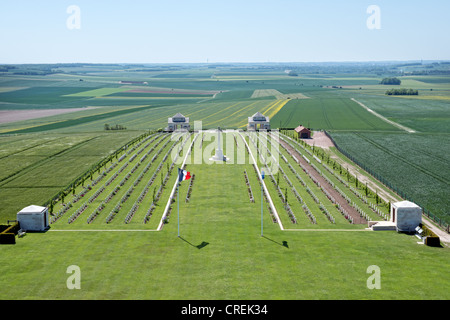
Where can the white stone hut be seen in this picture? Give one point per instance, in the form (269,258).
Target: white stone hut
(33,218)
(178,122)
(406,216)
(258,121)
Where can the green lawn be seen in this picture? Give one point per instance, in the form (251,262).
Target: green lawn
(221,255)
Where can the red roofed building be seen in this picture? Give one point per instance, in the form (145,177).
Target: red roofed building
(303,133)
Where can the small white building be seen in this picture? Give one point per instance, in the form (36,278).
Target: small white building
(178,122)
(258,121)
(33,218)
(406,216)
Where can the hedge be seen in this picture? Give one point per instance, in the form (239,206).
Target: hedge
(8,235)
(7,238)
(431,239)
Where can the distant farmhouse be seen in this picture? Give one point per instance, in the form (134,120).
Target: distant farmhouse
(303,132)
(178,122)
(258,121)
(134,82)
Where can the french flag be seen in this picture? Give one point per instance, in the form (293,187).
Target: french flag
(183,175)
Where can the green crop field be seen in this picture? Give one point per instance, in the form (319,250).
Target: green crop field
(36,167)
(108,190)
(329,114)
(430,116)
(422,175)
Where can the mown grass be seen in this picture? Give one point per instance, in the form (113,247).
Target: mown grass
(221,255)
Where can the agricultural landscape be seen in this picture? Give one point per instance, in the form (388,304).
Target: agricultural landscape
(88,142)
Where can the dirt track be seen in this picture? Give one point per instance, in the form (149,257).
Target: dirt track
(320,139)
(357,219)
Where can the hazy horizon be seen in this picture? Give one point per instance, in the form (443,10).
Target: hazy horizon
(201,31)
(234,62)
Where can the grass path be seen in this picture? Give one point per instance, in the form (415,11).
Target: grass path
(383,118)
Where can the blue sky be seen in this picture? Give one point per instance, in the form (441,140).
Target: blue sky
(175,31)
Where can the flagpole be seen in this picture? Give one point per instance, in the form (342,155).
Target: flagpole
(182,175)
(261,210)
(178,200)
(262,176)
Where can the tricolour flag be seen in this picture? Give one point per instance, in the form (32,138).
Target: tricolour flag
(183,175)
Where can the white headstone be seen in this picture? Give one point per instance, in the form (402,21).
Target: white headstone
(219,156)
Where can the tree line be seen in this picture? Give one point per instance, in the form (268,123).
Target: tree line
(114,127)
(391,81)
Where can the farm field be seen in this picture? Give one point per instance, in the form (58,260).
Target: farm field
(277,94)
(432,116)
(421,153)
(211,114)
(109,190)
(329,114)
(422,174)
(36,167)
